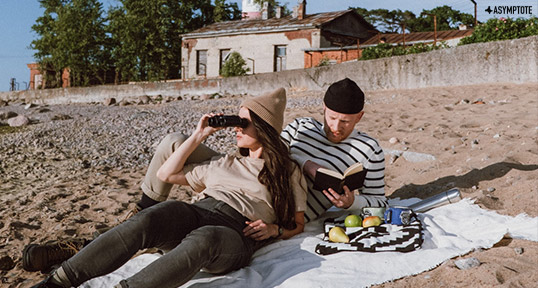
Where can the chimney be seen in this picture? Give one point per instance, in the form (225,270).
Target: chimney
(266,11)
(278,13)
(301,11)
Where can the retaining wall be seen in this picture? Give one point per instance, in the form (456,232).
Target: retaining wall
(513,61)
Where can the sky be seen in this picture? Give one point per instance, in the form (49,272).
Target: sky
(18,16)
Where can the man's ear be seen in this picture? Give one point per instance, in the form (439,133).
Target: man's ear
(359,116)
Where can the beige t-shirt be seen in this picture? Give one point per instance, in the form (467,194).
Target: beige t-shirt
(234,180)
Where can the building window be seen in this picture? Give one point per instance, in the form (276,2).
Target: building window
(201,62)
(223,57)
(280,58)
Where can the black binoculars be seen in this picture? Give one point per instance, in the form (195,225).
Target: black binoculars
(228,121)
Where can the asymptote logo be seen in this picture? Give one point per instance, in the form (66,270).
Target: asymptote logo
(514,9)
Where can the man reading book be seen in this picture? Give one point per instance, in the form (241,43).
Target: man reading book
(336,145)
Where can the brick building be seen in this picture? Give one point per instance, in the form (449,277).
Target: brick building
(274,44)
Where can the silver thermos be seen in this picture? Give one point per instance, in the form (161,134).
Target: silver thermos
(451,196)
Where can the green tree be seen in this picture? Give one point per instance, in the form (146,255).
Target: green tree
(447,19)
(273,3)
(391,21)
(72,36)
(234,66)
(386,21)
(225,12)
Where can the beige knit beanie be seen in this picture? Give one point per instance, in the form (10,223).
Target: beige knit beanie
(270,107)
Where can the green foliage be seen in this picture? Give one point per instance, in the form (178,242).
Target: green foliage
(390,21)
(234,66)
(325,61)
(387,50)
(502,29)
(139,40)
(273,3)
(72,36)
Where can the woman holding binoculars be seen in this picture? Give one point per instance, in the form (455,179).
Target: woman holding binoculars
(249,200)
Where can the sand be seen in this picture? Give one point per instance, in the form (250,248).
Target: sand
(483,139)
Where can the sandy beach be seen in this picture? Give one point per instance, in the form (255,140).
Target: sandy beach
(78,168)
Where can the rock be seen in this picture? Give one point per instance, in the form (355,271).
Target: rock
(205,97)
(124,102)
(3,103)
(30,105)
(6,263)
(144,99)
(496,136)
(464,264)
(491,189)
(61,117)
(7,114)
(18,121)
(519,250)
(109,101)
(43,110)
(393,140)
(416,157)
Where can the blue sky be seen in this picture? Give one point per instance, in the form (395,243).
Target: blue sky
(18,16)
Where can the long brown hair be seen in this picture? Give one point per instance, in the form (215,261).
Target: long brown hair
(276,172)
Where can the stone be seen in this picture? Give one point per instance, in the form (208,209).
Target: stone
(3,103)
(30,105)
(124,102)
(6,263)
(464,264)
(496,136)
(491,189)
(416,157)
(109,101)
(61,117)
(18,121)
(393,140)
(7,114)
(519,250)
(144,99)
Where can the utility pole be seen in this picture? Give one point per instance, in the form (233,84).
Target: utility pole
(434,28)
(475,20)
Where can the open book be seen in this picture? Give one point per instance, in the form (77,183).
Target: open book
(353,178)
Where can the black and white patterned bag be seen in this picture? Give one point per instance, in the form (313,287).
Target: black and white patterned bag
(386,237)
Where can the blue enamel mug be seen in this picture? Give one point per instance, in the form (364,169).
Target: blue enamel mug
(398,216)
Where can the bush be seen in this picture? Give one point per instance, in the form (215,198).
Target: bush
(234,66)
(502,29)
(387,50)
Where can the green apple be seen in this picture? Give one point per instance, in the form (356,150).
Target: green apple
(371,221)
(353,221)
(338,235)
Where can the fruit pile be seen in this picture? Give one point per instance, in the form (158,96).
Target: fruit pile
(338,234)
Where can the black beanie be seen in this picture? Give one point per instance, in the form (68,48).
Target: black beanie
(344,97)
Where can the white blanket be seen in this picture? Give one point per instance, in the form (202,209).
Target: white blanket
(449,231)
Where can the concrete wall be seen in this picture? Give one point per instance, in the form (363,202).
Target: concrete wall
(259,47)
(504,61)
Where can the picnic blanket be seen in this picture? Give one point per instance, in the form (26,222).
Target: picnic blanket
(449,231)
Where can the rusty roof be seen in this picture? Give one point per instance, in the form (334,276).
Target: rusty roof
(270,25)
(394,38)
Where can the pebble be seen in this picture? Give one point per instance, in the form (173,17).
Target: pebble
(496,136)
(18,121)
(464,264)
(519,250)
(7,114)
(491,189)
(393,140)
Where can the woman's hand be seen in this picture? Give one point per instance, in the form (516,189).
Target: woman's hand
(259,230)
(203,130)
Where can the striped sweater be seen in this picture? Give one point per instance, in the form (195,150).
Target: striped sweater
(307,141)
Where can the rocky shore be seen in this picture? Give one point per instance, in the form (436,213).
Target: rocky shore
(72,169)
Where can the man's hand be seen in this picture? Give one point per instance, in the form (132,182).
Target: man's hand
(341,201)
(310,168)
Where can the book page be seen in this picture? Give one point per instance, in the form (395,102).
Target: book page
(357,167)
(330,172)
